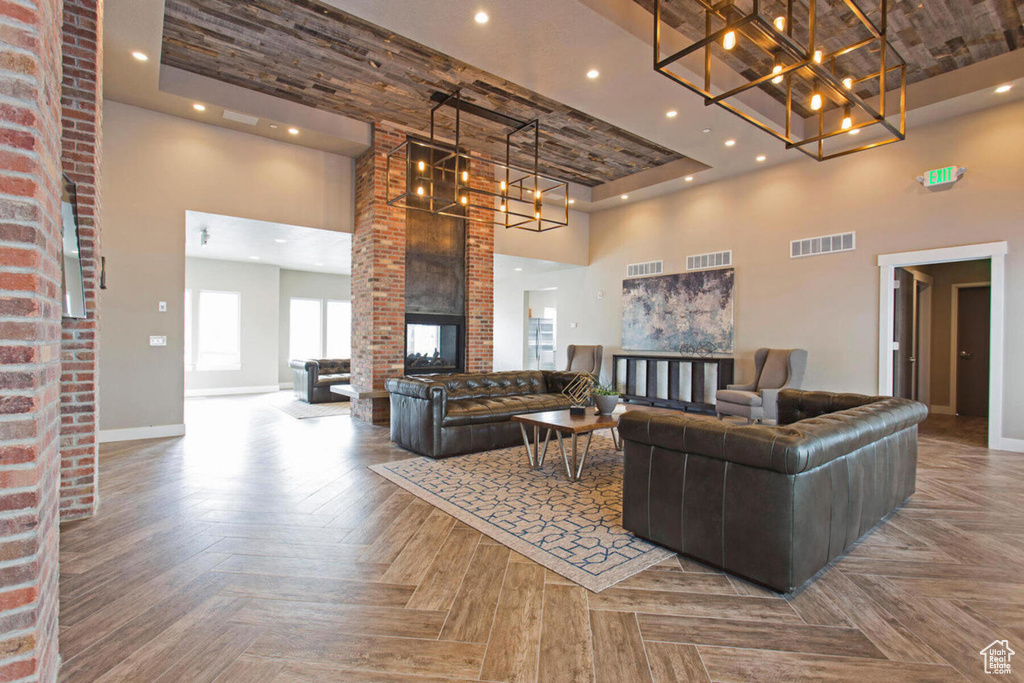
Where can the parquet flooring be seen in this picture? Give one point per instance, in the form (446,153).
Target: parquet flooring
(259,549)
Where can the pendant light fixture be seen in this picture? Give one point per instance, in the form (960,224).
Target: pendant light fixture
(806,54)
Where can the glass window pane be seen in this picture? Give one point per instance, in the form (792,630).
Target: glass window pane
(188,329)
(219,331)
(305,329)
(339,329)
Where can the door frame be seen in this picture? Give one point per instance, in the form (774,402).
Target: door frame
(996,252)
(954,325)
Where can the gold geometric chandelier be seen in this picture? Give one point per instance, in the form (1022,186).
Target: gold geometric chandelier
(830,82)
(445,179)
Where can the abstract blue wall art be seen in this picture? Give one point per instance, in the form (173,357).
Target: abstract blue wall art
(668,312)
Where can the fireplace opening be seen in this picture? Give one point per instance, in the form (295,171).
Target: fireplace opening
(433,343)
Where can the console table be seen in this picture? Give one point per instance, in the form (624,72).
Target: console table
(678,382)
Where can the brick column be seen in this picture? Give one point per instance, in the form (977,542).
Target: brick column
(30,314)
(82,103)
(480,283)
(378,279)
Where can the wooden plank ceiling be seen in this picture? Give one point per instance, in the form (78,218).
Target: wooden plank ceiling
(313,54)
(933,36)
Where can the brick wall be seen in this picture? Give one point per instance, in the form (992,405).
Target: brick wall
(378,278)
(30,71)
(81,102)
(480,281)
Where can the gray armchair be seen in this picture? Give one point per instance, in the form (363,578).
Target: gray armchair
(584,359)
(775,370)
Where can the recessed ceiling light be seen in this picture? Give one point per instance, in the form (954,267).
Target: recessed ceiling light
(625,196)
(572,201)
(518,269)
(761,157)
(293,131)
(141,56)
(855,131)
(688,178)
(481,17)
(730,143)
(274,126)
(671,113)
(255,258)
(279,240)
(1004,88)
(593,73)
(199,107)
(706,131)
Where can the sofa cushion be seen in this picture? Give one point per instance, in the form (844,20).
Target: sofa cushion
(492,385)
(498,409)
(740,398)
(328,380)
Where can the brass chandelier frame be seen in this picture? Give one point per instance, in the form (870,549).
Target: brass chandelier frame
(442,184)
(778,43)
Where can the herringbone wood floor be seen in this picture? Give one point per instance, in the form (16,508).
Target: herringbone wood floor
(259,548)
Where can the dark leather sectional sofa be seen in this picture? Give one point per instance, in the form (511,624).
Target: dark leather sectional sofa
(312,379)
(445,415)
(774,504)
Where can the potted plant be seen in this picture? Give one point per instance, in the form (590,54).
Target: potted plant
(606,398)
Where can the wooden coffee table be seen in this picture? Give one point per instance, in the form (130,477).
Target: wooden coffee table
(563,424)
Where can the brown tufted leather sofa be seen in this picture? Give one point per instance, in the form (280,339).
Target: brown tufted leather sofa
(312,379)
(774,504)
(445,415)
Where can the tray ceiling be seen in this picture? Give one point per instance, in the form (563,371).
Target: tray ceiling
(313,54)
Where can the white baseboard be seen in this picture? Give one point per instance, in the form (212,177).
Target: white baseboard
(135,433)
(286,385)
(941,410)
(1008,444)
(232,391)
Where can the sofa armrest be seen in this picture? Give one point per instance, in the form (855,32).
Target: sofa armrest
(307,365)
(752,386)
(789,450)
(416,388)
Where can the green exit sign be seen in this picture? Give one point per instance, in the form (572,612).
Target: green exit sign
(941,176)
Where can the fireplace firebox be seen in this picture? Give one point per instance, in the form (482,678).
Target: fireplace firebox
(434,343)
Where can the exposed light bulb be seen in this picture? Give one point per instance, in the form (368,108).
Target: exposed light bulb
(847,119)
(729,40)
(816,101)
(503,186)
(464,200)
(780,23)
(419,190)
(503,207)
(848,83)
(422,166)
(537,215)
(818,56)
(465,176)
(776,69)
(536,193)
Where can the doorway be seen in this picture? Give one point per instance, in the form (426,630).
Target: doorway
(901,314)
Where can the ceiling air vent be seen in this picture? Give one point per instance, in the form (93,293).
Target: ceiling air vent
(719,259)
(826,244)
(645,269)
(240,118)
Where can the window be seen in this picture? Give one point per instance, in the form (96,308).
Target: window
(339,329)
(219,326)
(305,333)
(188,330)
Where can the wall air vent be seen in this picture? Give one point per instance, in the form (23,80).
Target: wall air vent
(645,269)
(240,118)
(719,259)
(826,244)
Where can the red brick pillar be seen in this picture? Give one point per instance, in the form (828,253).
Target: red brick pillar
(378,278)
(480,283)
(82,103)
(30,314)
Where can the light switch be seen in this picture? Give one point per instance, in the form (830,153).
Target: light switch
(157,340)
(162,307)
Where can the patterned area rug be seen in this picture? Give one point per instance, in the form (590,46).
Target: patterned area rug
(286,402)
(572,528)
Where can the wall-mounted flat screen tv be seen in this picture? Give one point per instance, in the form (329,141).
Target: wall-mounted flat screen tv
(72,282)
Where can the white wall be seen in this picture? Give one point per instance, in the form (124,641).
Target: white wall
(305,285)
(259,286)
(155,167)
(828,304)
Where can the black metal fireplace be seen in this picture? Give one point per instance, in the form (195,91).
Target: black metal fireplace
(434,343)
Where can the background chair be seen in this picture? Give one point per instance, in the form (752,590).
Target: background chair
(585,359)
(774,370)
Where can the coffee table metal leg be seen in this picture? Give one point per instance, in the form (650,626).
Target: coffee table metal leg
(616,439)
(583,459)
(544,451)
(526,442)
(565,457)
